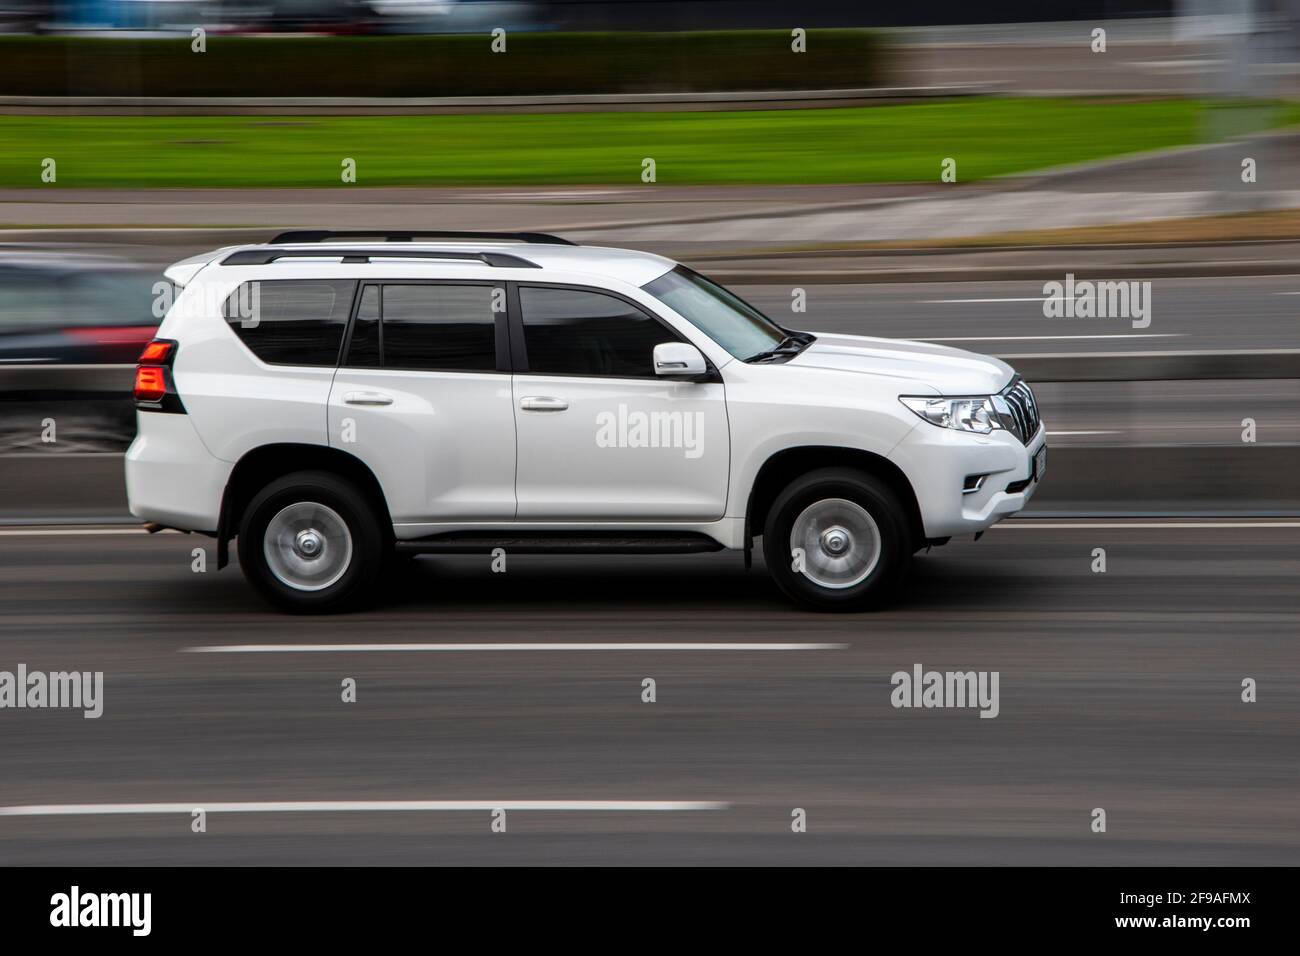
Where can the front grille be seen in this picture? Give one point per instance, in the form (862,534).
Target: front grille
(1021,412)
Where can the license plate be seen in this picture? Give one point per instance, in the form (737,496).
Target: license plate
(1040,463)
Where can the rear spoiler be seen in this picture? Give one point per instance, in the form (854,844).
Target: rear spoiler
(182,273)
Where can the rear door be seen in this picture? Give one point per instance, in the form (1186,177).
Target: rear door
(423,397)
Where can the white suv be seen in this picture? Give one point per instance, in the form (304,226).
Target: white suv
(338,401)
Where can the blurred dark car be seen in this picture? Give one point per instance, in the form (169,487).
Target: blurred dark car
(57,307)
(71,328)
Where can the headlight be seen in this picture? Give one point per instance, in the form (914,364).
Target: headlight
(979,414)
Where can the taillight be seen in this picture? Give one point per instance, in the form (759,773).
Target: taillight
(150,383)
(154,391)
(157,352)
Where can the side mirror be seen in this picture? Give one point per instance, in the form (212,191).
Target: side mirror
(678,359)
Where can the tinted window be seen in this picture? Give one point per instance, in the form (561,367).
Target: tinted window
(577,332)
(449,327)
(291,321)
(363,348)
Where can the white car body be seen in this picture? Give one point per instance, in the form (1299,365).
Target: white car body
(463,451)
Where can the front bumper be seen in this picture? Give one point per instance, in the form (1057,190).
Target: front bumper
(938,462)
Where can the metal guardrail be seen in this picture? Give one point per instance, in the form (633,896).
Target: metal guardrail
(567,103)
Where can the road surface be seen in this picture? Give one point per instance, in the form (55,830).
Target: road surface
(1119,690)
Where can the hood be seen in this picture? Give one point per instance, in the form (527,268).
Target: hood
(948,371)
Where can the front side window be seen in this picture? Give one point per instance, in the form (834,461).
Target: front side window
(721,315)
(291,321)
(588,333)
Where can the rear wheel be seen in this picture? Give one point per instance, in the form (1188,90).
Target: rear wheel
(837,539)
(310,542)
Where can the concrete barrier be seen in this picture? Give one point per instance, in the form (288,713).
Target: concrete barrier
(1155,366)
(1099,480)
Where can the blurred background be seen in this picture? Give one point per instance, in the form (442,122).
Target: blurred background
(1104,139)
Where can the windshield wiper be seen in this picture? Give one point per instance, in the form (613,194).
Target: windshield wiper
(792,344)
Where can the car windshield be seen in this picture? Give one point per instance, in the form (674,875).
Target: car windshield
(727,319)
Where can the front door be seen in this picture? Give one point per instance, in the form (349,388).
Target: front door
(600,436)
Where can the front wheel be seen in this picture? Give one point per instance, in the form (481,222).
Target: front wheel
(837,539)
(310,542)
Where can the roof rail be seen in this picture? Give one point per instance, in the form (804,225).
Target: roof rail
(388,235)
(259,257)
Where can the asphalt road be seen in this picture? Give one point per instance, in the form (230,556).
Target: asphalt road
(1118,690)
(1254,313)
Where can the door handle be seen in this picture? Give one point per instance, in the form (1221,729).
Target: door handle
(367,398)
(542,403)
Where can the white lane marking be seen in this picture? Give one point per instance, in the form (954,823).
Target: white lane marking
(1179,64)
(1032,298)
(1055,338)
(349,648)
(1189,354)
(1286,293)
(357,806)
(1085,433)
(1029,523)
(26,532)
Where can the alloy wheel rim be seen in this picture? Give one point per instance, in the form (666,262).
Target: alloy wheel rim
(307,546)
(839,540)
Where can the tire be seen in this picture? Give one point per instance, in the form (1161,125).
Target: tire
(311,543)
(854,538)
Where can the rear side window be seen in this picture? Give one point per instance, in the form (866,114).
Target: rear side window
(448,327)
(581,332)
(292,321)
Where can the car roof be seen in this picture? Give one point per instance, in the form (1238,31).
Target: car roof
(627,265)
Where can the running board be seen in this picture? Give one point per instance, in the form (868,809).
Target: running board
(542,542)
